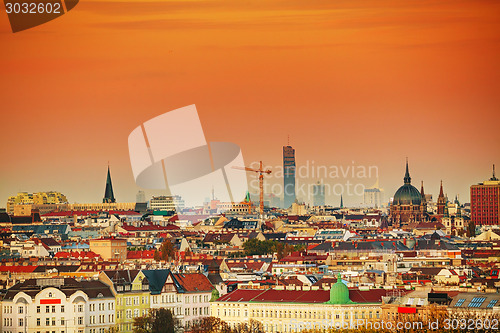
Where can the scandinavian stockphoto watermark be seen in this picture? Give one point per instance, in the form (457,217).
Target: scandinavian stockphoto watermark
(26,14)
(311,178)
(170,152)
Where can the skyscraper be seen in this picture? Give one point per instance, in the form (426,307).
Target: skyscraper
(109,196)
(288,176)
(318,194)
(373,195)
(485,202)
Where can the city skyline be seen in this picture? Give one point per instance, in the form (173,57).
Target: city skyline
(371,82)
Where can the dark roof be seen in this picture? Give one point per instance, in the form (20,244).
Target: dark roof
(93,289)
(156,279)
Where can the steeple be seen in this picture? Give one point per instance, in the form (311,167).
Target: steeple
(407,178)
(341,202)
(422,191)
(109,196)
(441,201)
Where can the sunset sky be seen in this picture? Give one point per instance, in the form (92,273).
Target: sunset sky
(372,82)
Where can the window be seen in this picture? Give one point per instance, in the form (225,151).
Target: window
(47,321)
(21,308)
(53,308)
(460,302)
(38,309)
(476,302)
(80,307)
(62,322)
(21,321)
(53,321)
(37,321)
(492,303)
(80,321)
(62,308)
(47,309)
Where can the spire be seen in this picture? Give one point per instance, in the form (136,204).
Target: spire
(494,177)
(422,193)
(441,194)
(341,202)
(109,196)
(407,178)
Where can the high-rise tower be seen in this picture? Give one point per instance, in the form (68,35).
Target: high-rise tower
(109,196)
(288,176)
(485,201)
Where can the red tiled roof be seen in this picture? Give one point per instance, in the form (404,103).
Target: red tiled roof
(146,254)
(77,255)
(302,296)
(194,282)
(18,269)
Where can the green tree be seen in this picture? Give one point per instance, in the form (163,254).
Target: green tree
(156,321)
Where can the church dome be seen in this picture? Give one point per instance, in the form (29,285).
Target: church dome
(339,293)
(407,194)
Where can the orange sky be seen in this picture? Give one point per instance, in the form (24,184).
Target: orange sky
(364,81)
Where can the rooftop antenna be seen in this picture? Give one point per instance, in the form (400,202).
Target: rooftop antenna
(289,145)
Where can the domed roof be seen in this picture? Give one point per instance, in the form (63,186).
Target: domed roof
(407,194)
(339,293)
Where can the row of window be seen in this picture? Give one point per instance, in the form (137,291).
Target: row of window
(101,319)
(133,300)
(296,314)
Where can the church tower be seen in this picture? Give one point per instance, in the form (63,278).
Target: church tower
(441,201)
(109,196)
(423,203)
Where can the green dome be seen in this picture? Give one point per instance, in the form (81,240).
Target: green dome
(406,195)
(339,293)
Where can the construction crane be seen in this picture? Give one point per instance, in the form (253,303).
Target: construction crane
(261,173)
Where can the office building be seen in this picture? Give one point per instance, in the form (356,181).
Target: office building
(289,168)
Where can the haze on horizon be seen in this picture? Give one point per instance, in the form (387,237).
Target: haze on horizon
(372,82)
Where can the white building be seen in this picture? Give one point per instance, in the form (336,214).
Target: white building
(58,305)
(167,203)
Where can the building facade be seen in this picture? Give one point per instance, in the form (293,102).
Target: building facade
(406,206)
(59,305)
(289,195)
(167,203)
(485,202)
(292,309)
(109,248)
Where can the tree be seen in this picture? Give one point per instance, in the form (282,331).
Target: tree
(157,256)
(167,250)
(211,325)
(253,326)
(156,321)
(471,229)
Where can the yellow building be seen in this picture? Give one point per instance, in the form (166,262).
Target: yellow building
(109,248)
(293,309)
(131,290)
(21,203)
